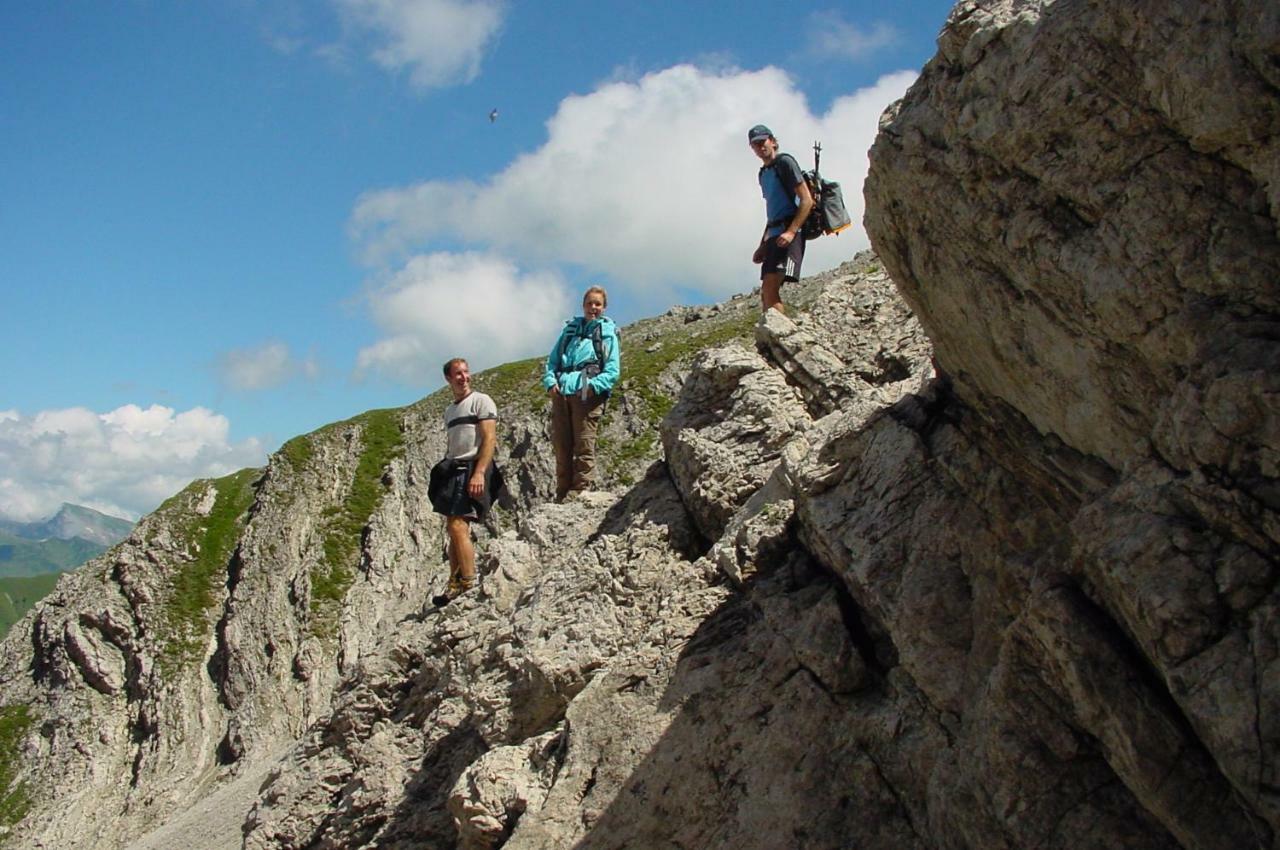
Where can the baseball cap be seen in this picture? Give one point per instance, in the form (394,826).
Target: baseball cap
(759,132)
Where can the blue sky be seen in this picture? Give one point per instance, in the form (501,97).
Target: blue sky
(228,222)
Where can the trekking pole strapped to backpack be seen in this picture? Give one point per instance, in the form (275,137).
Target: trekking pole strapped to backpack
(829,214)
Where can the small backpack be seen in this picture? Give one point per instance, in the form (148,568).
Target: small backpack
(828,214)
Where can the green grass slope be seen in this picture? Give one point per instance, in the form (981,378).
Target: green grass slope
(22,557)
(18,595)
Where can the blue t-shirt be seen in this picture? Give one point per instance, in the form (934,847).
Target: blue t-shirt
(780,205)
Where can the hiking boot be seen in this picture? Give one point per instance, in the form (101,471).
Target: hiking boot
(456,587)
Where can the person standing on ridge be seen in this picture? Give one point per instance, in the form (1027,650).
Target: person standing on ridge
(581,370)
(462,485)
(787,201)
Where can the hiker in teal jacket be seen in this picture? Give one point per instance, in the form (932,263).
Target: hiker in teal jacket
(581,370)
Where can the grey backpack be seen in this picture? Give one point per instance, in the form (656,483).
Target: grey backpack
(828,214)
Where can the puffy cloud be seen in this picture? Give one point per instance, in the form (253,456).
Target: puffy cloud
(831,36)
(441,42)
(269,365)
(648,181)
(476,306)
(124,462)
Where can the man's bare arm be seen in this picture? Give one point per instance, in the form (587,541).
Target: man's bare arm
(488,429)
(802,213)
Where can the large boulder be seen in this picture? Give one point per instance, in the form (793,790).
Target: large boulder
(1080,201)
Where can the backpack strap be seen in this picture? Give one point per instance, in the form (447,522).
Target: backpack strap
(784,175)
(569,326)
(597,342)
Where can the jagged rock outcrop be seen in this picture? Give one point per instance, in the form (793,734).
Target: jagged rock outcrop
(1080,202)
(608,688)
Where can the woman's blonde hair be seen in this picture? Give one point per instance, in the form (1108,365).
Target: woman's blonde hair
(604,296)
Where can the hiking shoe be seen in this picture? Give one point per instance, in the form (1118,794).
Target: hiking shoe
(455,588)
(459,585)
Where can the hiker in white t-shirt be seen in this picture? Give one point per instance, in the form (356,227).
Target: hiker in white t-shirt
(462,486)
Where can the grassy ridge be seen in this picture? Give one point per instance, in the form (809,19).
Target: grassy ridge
(15,798)
(382,440)
(515,387)
(185,623)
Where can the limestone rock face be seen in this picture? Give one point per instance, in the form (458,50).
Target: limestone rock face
(1080,203)
(735,418)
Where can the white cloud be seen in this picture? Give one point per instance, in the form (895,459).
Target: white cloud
(650,182)
(269,365)
(831,36)
(124,462)
(441,42)
(476,306)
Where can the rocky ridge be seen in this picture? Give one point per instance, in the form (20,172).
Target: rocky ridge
(189,656)
(614,664)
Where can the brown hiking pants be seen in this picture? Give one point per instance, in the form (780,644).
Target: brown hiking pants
(573,436)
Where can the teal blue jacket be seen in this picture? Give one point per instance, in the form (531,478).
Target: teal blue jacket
(574,349)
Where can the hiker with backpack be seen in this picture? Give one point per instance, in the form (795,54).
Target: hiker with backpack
(788,201)
(580,373)
(463,485)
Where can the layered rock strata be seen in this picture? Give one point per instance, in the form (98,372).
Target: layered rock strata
(1080,202)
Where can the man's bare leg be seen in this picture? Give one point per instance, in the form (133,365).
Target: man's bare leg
(771,292)
(462,555)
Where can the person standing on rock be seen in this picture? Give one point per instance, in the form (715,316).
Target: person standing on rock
(787,202)
(581,370)
(462,485)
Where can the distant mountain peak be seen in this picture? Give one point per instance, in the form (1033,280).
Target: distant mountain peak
(72,521)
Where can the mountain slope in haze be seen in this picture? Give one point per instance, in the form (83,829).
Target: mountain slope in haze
(23,557)
(34,554)
(72,521)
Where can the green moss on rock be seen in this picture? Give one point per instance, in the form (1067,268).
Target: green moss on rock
(212,539)
(642,371)
(382,440)
(298,452)
(515,385)
(15,797)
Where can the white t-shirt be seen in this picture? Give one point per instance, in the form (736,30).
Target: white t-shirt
(464,436)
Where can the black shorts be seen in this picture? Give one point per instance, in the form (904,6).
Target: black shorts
(447,489)
(785,260)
